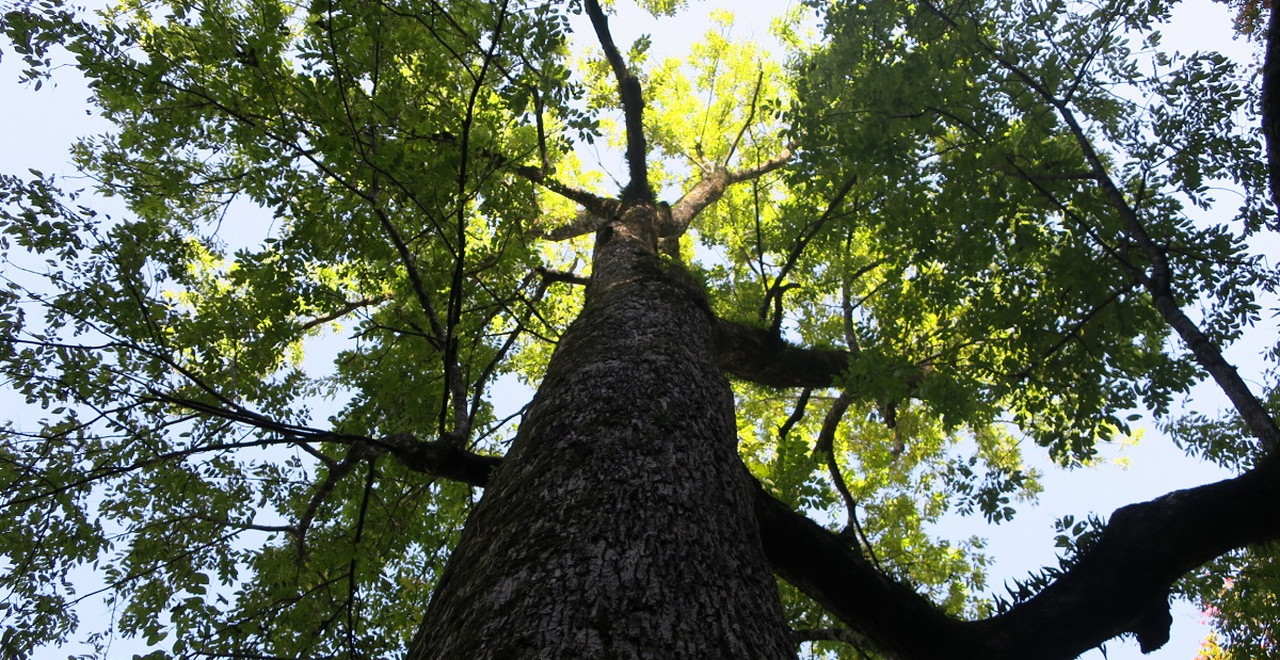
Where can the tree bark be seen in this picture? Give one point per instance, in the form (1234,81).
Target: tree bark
(1271,103)
(620,524)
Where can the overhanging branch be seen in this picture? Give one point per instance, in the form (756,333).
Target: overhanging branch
(1121,585)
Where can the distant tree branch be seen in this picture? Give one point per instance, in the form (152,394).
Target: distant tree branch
(345,308)
(1158,279)
(751,115)
(598,209)
(777,288)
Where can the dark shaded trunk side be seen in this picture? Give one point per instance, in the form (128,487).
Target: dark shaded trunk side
(1271,103)
(620,525)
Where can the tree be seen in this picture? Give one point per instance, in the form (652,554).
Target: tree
(942,229)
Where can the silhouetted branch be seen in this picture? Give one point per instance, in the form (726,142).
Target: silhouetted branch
(1120,585)
(632,98)
(1271,103)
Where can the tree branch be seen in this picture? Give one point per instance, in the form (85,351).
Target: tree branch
(549,275)
(1119,585)
(347,307)
(1158,279)
(439,459)
(757,355)
(824,448)
(632,98)
(843,635)
(712,187)
(601,207)
(1271,103)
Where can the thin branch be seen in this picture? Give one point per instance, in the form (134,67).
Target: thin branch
(793,257)
(797,414)
(343,310)
(455,387)
(751,115)
(593,203)
(1071,333)
(352,585)
(824,447)
(356,453)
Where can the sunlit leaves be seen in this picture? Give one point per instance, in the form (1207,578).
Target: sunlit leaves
(1009,238)
(286,170)
(336,179)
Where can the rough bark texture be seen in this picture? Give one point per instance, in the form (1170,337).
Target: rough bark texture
(620,524)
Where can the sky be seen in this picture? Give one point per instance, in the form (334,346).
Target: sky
(37,127)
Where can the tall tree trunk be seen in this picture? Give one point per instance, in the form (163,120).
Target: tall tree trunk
(620,523)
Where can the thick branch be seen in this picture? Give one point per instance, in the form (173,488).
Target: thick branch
(816,561)
(759,356)
(1271,104)
(632,98)
(440,459)
(549,275)
(712,187)
(1120,585)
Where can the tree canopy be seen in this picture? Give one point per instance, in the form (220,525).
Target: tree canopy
(274,333)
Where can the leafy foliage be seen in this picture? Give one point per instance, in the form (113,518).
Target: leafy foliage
(360,180)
